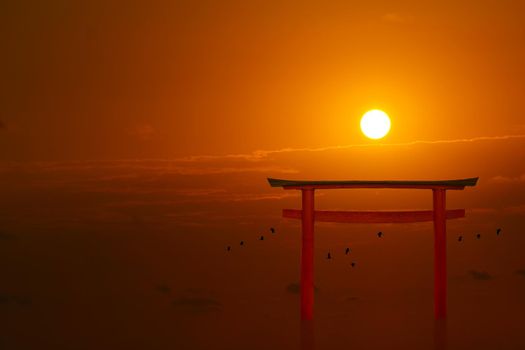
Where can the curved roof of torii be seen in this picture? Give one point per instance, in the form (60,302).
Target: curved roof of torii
(449,184)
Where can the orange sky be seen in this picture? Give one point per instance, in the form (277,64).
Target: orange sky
(135,142)
(117,80)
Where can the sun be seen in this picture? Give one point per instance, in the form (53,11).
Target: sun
(375,124)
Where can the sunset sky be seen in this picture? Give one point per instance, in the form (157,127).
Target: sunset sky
(135,142)
(165,79)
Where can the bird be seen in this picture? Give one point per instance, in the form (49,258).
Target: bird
(353,264)
(380,234)
(498,231)
(347,251)
(272,230)
(478,236)
(262,238)
(242,243)
(329,256)
(228,248)
(460,238)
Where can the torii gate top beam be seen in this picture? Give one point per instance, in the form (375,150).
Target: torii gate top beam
(441,184)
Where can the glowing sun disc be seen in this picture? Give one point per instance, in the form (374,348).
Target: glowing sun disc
(375,124)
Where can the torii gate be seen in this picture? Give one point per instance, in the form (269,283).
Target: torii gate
(309,215)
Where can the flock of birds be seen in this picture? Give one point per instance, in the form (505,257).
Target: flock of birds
(347,250)
(478,235)
(241,243)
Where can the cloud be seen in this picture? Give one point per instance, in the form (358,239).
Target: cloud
(6,236)
(480,275)
(517,209)
(521,272)
(197,304)
(163,288)
(16,299)
(394,17)
(295,288)
(167,191)
(131,169)
(481,210)
(197,199)
(508,179)
(214,164)
(143,132)
(21,300)
(4,299)
(197,300)
(263,154)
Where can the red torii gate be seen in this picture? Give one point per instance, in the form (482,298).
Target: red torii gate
(309,215)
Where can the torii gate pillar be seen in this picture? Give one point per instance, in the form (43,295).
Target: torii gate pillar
(440,253)
(307,255)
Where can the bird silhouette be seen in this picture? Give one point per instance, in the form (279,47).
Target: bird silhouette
(498,231)
(329,256)
(242,243)
(262,238)
(353,264)
(228,248)
(380,234)
(347,251)
(460,238)
(272,230)
(478,236)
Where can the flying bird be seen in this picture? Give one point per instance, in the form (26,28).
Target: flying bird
(460,238)
(262,238)
(478,236)
(498,231)
(272,230)
(380,234)
(329,256)
(347,251)
(353,264)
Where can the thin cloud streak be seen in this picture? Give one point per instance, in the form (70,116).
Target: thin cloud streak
(262,154)
(517,209)
(219,196)
(480,275)
(259,155)
(508,179)
(394,17)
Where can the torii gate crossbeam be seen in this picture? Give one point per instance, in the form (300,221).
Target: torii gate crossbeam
(308,215)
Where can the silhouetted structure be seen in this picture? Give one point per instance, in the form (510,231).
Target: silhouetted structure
(347,251)
(261,238)
(380,234)
(478,236)
(329,256)
(460,238)
(308,215)
(498,231)
(272,230)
